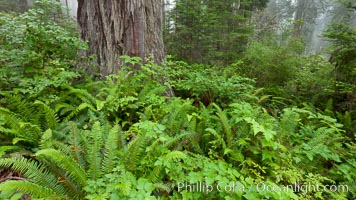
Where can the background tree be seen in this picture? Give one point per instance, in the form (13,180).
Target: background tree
(305,19)
(14,5)
(121,27)
(342,35)
(210,31)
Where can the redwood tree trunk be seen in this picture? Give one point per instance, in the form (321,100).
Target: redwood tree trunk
(300,17)
(121,27)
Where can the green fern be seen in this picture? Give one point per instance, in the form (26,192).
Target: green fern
(74,170)
(19,129)
(218,137)
(174,156)
(12,120)
(176,119)
(94,151)
(30,188)
(80,100)
(47,142)
(155,175)
(176,139)
(82,94)
(110,150)
(27,122)
(38,173)
(79,109)
(134,151)
(49,115)
(78,143)
(63,172)
(20,106)
(196,133)
(225,122)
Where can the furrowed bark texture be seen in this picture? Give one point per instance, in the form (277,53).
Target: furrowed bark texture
(121,27)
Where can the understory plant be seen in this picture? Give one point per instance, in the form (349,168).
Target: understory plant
(67,135)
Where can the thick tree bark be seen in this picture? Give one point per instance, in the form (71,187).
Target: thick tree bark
(121,27)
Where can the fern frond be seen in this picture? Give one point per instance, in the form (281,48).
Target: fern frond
(33,189)
(214,133)
(111,146)
(149,89)
(193,139)
(63,108)
(177,117)
(35,172)
(30,132)
(22,107)
(175,155)
(78,143)
(73,189)
(19,128)
(134,151)
(78,109)
(163,187)
(12,119)
(225,122)
(72,168)
(49,115)
(155,175)
(94,151)
(46,139)
(47,142)
(122,139)
(82,94)
(172,141)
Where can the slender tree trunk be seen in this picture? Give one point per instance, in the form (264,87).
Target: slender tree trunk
(300,17)
(67,8)
(121,27)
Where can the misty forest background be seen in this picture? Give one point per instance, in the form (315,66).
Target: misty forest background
(245,92)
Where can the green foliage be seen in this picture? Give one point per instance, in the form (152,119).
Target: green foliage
(313,81)
(65,135)
(23,123)
(123,97)
(13,6)
(208,84)
(31,43)
(270,64)
(175,144)
(343,38)
(285,73)
(209,32)
(62,171)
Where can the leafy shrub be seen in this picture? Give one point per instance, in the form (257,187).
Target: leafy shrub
(32,43)
(13,5)
(270,63)
(208,84)
(313,81)
(343,38)
(123,97)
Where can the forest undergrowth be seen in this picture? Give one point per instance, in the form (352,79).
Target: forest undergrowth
(275,124)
